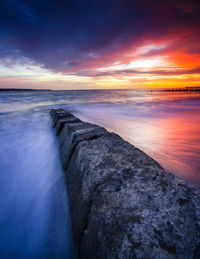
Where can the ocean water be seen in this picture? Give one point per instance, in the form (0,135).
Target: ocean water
(34,212)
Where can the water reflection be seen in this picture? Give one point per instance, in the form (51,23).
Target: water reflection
(168,129)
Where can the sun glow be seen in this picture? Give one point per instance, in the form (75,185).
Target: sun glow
(140,68)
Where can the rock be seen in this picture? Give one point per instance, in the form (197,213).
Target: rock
(59,124)
(123,204)
(58,114)
(74,133)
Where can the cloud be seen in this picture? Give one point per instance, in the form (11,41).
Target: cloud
(130,72)
(61,35)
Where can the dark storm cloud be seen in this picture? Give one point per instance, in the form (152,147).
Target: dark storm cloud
(63,35)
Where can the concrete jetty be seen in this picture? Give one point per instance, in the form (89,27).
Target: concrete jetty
(123,204)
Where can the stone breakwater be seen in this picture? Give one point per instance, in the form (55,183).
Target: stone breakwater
(123,203)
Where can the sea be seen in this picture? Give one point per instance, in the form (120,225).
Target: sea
(34,210)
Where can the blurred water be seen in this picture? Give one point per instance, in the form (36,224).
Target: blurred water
(34,215)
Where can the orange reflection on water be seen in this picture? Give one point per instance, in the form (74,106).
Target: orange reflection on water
(173,141)
(164,125)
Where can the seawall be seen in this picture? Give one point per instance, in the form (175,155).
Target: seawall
(122,202)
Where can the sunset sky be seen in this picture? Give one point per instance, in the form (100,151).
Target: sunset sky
(89,44)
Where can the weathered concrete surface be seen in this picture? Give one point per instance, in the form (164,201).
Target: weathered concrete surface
(58,114)
(122,202)
(74,133)
(61,122)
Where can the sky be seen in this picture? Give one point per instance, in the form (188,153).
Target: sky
(90,44)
